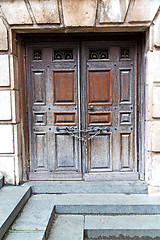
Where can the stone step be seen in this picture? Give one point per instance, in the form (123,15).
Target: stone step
(107,204)
(102,203)
(67,227)
(12,200)
(126,214)
(34,221)
(128,187)
(146,226)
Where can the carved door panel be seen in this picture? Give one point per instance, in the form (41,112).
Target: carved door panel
(110,111)
(54,105)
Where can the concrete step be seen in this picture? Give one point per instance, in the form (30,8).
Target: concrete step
(62,187)
(107,204)
(102,203)
(67,227)
(129,215)
(124,226)
(34,221)
(12,200)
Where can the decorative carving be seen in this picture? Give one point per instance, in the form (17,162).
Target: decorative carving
(98,53)
(63,54)
(125,53)
(40,118)
(125,118)
(37,55)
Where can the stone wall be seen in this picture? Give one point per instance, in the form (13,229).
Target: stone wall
(27,16)
(153,104)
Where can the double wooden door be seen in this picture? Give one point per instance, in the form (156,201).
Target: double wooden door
(83,111)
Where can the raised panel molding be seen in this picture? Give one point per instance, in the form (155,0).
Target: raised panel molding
(39,88)
(65,118)
(125,118)
(99,83)
(100,157)
(40,119)
(65,152)
(41,158)
(126,151)
(100,118)
(64,87)
(125,86)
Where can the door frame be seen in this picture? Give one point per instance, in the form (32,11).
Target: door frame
(24,39)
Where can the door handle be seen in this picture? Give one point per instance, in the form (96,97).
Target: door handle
(91,108)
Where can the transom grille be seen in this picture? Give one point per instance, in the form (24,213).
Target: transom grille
(63,54)
(98,53)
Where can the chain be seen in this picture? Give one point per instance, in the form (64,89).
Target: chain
(83,139)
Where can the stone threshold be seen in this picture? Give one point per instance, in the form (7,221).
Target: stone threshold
(62,187)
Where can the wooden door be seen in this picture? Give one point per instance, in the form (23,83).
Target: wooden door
(83,111)
(53,106)
(110,106)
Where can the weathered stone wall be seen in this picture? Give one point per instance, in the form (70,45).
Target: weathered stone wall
(10,127)
(153,104)
(29,16)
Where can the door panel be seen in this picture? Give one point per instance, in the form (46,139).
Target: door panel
(52,82)
(100,153)
(125,88)
(41,159)
(83,113)
(39,87)
(111,101)
(65,159)
(99,86)
(100,118)
(65,118)
(126,151)
(64,87)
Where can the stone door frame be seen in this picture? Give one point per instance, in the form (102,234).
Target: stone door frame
(22,39)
